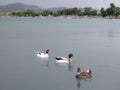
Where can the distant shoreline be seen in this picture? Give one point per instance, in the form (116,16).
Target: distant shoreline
(67,17)
(111,12)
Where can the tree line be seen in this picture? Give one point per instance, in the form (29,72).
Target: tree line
(88,11)
(111,11)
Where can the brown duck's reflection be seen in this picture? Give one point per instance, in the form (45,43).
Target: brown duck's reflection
(79,82)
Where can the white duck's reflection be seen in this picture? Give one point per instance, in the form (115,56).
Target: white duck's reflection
(44,61)
(69,65)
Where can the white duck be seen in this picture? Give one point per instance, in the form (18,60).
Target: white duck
(64,60)
(43,55)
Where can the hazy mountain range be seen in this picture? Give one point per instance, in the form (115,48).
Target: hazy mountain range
(17,6)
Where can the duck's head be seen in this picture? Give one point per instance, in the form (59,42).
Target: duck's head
(78,69)
(70,55)
(90,71)
(47,51)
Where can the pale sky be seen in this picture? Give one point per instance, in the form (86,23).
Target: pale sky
(65,3)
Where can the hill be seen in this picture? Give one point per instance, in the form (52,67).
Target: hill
(17,6)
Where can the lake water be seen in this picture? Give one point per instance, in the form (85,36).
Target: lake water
(95,44)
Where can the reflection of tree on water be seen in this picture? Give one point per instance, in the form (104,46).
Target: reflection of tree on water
(112,34)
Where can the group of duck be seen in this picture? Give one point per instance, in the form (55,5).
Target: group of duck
(79,74)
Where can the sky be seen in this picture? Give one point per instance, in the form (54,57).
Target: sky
(65,3)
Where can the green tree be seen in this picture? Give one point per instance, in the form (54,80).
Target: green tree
(117,13)
(25,13)
(75,11)
(111,10)
(59,12)
(69,11)
(87,11)
(103,12)
(46,13)
(94,12)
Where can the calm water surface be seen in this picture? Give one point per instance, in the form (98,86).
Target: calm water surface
(95,44)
